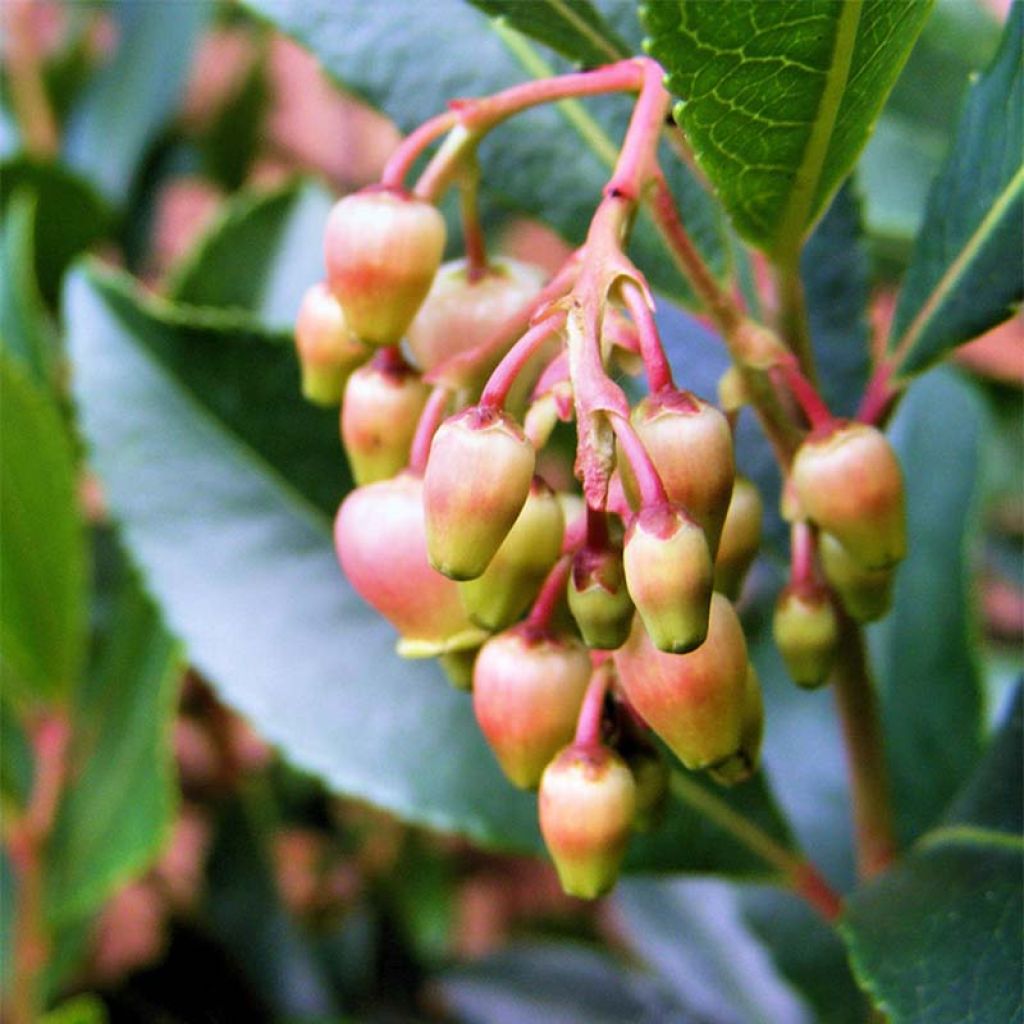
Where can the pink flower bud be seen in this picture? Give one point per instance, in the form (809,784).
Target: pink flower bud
(744,763)
(528,687)
(741,538)
(694,701)
(328,351)
(477,480)
(382,250)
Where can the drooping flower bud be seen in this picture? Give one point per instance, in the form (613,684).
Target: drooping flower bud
(328,350)
(383,403)
(528,687)
(513,579)
(651,776)
(866,594)
(669,574)
(744,763)
(381,544)
(599,598)
(741,538)
(461,312)
(848,481)
(694,701)
(806,632)
(382,249)
(477,480)
(587,805)
(690,444)
(458,667)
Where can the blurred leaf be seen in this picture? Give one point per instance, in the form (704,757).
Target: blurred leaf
(84,1009)
(232,142)
(923,651)
(244,911)
(835,272)
(693,937)
(778,99)
(967,270)
(16,759)
(128,102)
(42,545)
(573,28)
(116,817)
(531,164)
(937,940)
(70,215)
(8,897)
(279,232)
(24,332)
(555,984)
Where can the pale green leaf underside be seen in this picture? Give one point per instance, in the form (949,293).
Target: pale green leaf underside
(779,98)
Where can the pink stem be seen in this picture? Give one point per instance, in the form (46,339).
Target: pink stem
(878,396)
(550,594)
(639,148)
(430,420)
(801,554)
(652,491)
(659,373)
(472,233)
(806,394)
(409,150)
(588,725)
(504,376)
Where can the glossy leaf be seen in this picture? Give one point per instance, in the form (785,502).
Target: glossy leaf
(537,163)
(923,650)
(281,234)
(937,940)
(117,816)
(967,271)
(573,28)
(129,100)
(42,546)
(778,99)
(243,565)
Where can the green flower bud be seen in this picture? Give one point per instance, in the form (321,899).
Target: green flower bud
(514,577)
(651,776)
(477,480)
(328,351)
(742,765)
(669,573)
(807,633)
(587,805)
(866,594)
(458,667)
(528,688)
(690,444)
(741,538)
(599,598)
(383,404)
(694,701)
(849,482)
(382,249)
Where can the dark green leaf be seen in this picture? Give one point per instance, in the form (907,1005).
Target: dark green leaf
(967,271)
(42,545)
(533,164)
(84,1009)
(834,268)
(692,935)
(70,215)
(116,817)
(557,984)
(128,102)
(937,940)
(923,650)
(571,27)
(778,99)
(24,332)
(16,764)
(280,235)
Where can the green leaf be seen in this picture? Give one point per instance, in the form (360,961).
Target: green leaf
(279,232)
(531,164)
(42,545)
(243,565)
(835,272)
(16,761)
(128,102)
(778,99)
(573,28)
(967,270)
(70,215)
(24,331)
(937,940)
(116,817)
(929,679)
(693,937)
(85,1009)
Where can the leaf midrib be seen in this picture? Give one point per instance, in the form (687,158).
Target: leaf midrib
(562,10)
